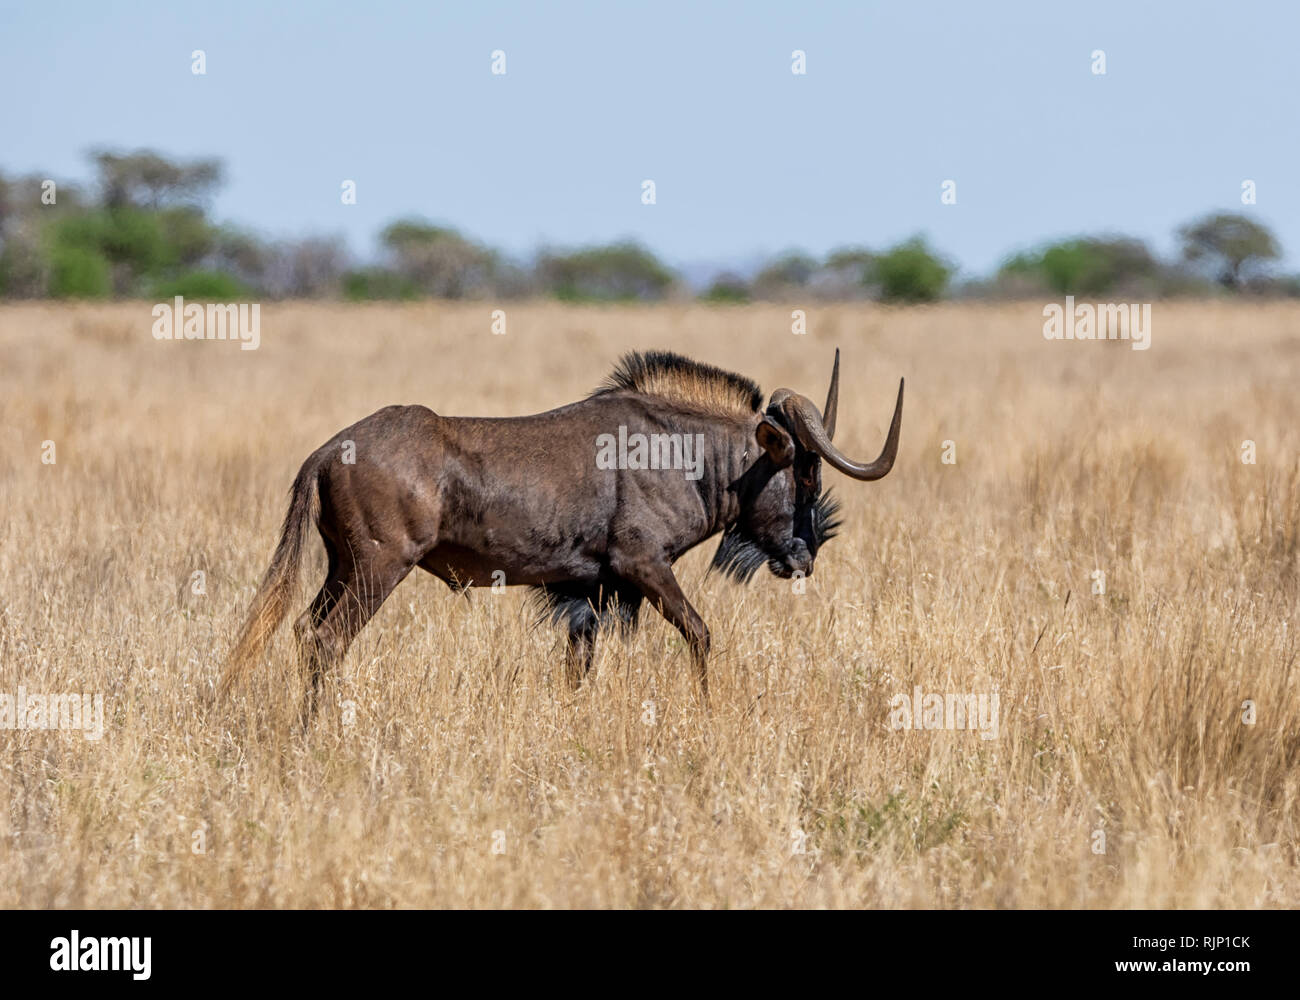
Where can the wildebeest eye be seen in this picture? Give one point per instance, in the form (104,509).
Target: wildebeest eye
(808,473)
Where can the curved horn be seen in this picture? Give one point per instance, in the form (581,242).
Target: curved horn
(832,399)
(807,425)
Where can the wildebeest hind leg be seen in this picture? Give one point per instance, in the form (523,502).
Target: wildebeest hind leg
(357,593)
(311,654)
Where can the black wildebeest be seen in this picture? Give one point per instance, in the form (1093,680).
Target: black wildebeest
(544,501)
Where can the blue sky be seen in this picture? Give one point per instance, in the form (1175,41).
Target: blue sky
(747,157)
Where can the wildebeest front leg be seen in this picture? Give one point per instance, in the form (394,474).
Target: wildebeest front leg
(580,653)
(656,581)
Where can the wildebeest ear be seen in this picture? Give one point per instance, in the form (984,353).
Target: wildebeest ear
(776,441)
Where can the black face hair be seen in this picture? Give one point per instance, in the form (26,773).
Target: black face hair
(826,518)
(740,557)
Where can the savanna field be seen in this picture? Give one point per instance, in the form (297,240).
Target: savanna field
(452,766)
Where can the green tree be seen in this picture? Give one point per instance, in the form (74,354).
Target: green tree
(1087,265)
(848,273)
(129,239)
(241,255)
(202,286)
(910,272)
(1232,247)
(79,273)
(727,288)
(785,276)
(145,179)
(855,262)
(617,272)
(377,283)
(438,261)
(150,227)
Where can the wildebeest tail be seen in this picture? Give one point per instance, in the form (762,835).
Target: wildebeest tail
(273,595)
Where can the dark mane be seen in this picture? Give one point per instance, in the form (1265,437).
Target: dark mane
(681,380)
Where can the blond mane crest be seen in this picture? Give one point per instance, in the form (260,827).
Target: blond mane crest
(680,380)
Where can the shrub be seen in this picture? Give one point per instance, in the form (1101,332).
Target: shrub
(203,286)
(727,288)
(786,276)
(78,273)
(910,272)
(376,283)
(1083,266)
(618,272)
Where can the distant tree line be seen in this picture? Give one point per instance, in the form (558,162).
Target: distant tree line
(143,229)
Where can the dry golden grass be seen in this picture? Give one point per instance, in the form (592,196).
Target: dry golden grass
(1120,712)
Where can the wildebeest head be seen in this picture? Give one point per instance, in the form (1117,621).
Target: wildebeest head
(784,515)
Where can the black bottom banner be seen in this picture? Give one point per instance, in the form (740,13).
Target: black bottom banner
(927,949)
